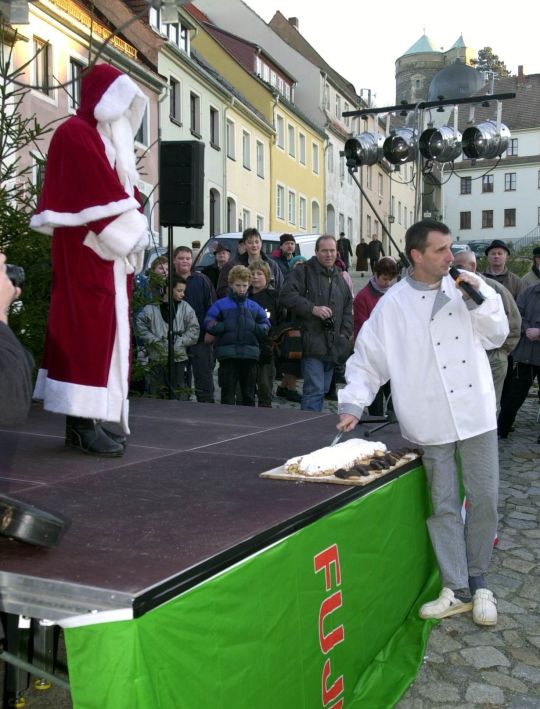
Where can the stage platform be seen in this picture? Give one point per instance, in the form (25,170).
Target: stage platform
(183,503)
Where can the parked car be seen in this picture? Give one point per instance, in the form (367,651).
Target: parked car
(305,246)
(456,248)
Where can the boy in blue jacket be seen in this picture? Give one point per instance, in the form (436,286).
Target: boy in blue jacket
(238,325)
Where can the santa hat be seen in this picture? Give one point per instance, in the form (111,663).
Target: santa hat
(107,94)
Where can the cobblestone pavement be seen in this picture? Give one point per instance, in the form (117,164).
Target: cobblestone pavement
(466,665)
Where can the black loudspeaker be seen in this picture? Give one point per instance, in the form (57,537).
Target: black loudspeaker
(181,183)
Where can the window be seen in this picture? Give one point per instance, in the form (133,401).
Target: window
(74,88)
(280,202)
(349,227)
(369,226)
(369,177)
(405,218)
(231,144)
(341,223)
(315,158)
(326,100)
(258,66)
(246,218)
(273,77)
(347,118)
(266,73)
(341,169)
(393,206)
(195,114)
(509,217)
(330,158)
(487,219)
(260,223)
(512,149)
(303,213)
(338,106)
(214,127)
(42,61)
(292,208)
(380,185)
(246,151)
(510,179)
(260,158)
(487,183)
(464,220)
(399,212)
(292,141)
(280,132)
(38,172)
(302,148)
(142,134)
(465,185)
(175,104)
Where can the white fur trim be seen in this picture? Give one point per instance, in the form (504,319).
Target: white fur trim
(108,403)
(127,233)
(121,95)
(71,399)
(47,220)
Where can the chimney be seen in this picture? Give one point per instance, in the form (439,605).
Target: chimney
(294,22)
(520,76)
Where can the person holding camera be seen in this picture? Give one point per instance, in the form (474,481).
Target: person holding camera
(152,329)
(321,302)
(15,362)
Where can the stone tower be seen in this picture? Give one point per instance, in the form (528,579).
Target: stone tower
(416,68)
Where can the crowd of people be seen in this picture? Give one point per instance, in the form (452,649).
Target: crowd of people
(217,317)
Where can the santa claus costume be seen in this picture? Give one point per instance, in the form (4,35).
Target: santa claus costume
(90,206)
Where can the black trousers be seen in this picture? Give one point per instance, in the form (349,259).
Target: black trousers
(201,358)
(242,372)
(515,394)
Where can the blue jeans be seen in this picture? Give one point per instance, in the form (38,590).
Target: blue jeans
(317,376)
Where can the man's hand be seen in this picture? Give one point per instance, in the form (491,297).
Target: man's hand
(532,333)
(471,279)
(321,311)
(347,422)
(8,292)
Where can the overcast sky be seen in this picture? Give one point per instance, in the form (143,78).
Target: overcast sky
(363,45)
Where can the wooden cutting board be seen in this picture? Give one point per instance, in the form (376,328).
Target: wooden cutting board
(280,473)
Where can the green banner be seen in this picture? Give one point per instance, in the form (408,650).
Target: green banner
(325,618)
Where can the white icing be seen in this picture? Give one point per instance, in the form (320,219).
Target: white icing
(326,461)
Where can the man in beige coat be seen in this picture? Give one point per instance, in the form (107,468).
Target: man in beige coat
(498,357)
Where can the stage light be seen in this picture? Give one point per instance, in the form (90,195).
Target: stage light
(440,144)
(363,149)
(400,146)
(488,140)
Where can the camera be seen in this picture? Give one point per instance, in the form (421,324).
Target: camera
(329,323)
(15,275)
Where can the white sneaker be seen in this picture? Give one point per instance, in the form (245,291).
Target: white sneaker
(484,607)
(447,604)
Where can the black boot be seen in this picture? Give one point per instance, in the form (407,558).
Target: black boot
(116,437)
(88,437)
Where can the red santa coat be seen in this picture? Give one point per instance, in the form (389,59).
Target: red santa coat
(99,236)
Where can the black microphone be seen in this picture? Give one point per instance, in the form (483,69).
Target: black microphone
(471,292)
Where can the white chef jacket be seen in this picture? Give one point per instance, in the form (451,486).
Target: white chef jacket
(431,345)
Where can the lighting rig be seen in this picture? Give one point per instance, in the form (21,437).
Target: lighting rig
(485,140)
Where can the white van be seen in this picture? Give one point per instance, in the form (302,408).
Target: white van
(305,245)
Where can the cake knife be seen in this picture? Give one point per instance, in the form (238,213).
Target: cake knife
(336,438)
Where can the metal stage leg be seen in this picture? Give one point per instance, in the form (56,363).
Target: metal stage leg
(17,642)
(44,656)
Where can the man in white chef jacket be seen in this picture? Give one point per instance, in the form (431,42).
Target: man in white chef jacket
(430,339)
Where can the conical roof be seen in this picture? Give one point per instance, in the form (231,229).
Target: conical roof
(422,46)
(459,43)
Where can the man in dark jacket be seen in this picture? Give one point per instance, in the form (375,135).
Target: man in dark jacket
(200,294)
(253,243)
(344,249)
(15,362)
(526,358)
(287,247)
(321,302)
(375,251)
